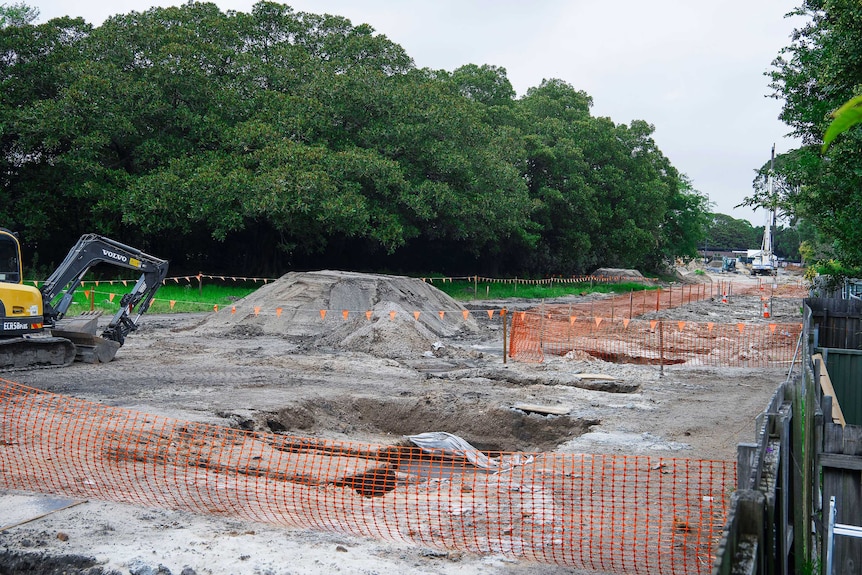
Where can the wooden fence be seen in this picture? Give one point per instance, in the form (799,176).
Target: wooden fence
(800,458)
(836,322)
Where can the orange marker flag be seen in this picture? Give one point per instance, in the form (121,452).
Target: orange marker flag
(232,309)
(97,283)
(344,314)
(416,315)
(598,321)
(111,297)
(442,314)
(772,327)
(87,293)
(652,324)
(173,302)
(709,326)
(215,308)
(278,311)
(626,322)
(391,315)
(523,315)
(740,327)
(572,320)
(465,313)
(323,314)
(256,311)
(490,314)
(681,325)
(368,315)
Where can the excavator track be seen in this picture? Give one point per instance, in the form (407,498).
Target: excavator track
(35,352)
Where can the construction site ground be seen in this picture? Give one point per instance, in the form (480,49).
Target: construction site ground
(379,388)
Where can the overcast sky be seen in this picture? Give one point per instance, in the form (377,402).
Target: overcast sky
(692,68)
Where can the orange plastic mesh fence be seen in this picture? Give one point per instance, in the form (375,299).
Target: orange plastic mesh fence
(616,514)
(664,342)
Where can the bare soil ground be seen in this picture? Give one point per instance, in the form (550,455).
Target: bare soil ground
(350,381)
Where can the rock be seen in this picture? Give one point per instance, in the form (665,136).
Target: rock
(140,567)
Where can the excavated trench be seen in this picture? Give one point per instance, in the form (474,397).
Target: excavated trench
(496,431)
(489,428)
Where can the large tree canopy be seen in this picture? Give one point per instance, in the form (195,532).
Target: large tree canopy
(815,75)
(277,138)
(726,233)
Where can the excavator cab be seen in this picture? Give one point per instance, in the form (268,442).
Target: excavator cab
(10,258)
(20,305)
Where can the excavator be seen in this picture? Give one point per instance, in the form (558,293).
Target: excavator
(34,330)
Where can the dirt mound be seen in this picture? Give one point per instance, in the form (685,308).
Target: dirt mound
(696,276)
(386,316)
(630,275)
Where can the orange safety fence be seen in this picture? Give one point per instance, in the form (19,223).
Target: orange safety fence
(440,279)
(628,305)
(637,303)
(612,513)
(799,284)
(765,288)
(657,342)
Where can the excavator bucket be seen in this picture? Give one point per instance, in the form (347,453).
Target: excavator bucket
(81,331)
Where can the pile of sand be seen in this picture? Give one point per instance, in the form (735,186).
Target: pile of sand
(370,313)
(630,275)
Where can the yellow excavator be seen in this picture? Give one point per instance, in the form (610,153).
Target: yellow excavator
(34,330)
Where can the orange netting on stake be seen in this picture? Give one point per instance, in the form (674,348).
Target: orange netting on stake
(616,514)
(656,342)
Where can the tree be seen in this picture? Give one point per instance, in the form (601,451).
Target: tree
(35,74)
(485,84)
(786,240)
(196,133)
(818,72)
(726,233)
(685,223)
(17,14)
(604,194)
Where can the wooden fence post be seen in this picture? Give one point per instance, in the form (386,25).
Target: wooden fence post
(503,313)
(661,347)
(745,462)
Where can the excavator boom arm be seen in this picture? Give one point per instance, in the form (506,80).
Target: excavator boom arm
(94,249)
